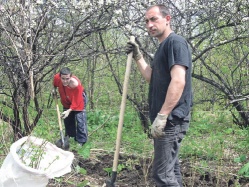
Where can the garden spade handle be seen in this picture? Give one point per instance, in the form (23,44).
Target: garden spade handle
(121,118)
(59,119)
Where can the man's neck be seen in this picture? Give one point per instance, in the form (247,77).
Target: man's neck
(167,33)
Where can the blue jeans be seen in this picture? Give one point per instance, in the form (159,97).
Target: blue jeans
(76,126)
(166,167)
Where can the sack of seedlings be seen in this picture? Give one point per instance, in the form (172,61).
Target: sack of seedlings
(32,162)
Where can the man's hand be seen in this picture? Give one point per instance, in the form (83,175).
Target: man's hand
(158,126)
(65,114)
(54,93)
(133,47)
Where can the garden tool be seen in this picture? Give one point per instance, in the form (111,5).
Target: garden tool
(62,143)
(110,183)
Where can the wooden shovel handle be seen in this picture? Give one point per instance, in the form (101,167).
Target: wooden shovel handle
(58,111)
(122,108)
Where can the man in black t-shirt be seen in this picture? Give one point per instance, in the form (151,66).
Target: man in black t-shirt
(170,93)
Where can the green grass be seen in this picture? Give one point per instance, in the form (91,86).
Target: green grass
(209,134)
(214,142)
(212,138)
(104,132)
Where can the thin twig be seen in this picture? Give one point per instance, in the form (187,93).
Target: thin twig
(99,127)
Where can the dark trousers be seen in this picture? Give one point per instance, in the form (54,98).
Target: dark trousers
(166,167)
(76,125)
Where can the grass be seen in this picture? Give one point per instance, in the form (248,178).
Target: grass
(211,143)
(104,132)
(213,138)
(215,145)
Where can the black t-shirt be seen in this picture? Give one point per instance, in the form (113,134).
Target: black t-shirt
(173,50)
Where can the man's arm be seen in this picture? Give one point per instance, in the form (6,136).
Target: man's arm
(73,83)
(175,89)
(144,68)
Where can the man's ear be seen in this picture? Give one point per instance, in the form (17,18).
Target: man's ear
(168,17)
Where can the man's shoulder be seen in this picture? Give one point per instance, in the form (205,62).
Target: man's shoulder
(174,41)
(177,37)
(57,76)
(57,79)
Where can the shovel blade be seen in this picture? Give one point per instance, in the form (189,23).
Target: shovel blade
(63,144)
(111,182)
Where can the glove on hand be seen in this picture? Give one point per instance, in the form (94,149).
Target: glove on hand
(54,93)
(65,114)
(158,126)
(133,47)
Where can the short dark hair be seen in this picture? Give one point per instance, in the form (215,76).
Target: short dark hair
(162,8)
(65,71)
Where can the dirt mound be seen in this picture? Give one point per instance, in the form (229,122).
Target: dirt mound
(136,172)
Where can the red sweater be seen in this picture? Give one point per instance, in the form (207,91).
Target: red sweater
(70,97)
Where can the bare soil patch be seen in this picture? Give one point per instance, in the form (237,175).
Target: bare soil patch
(136,172)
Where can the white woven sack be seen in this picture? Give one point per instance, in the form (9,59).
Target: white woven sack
(54,162)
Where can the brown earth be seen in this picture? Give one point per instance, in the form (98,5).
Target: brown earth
(136,172)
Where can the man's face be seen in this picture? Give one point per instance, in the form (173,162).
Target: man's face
(65,79)
(155,22)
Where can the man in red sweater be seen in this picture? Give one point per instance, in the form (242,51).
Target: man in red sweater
(73,99)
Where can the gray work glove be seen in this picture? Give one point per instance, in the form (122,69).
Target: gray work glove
(133,47)
(54,93)
(65,113)
(157,129)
